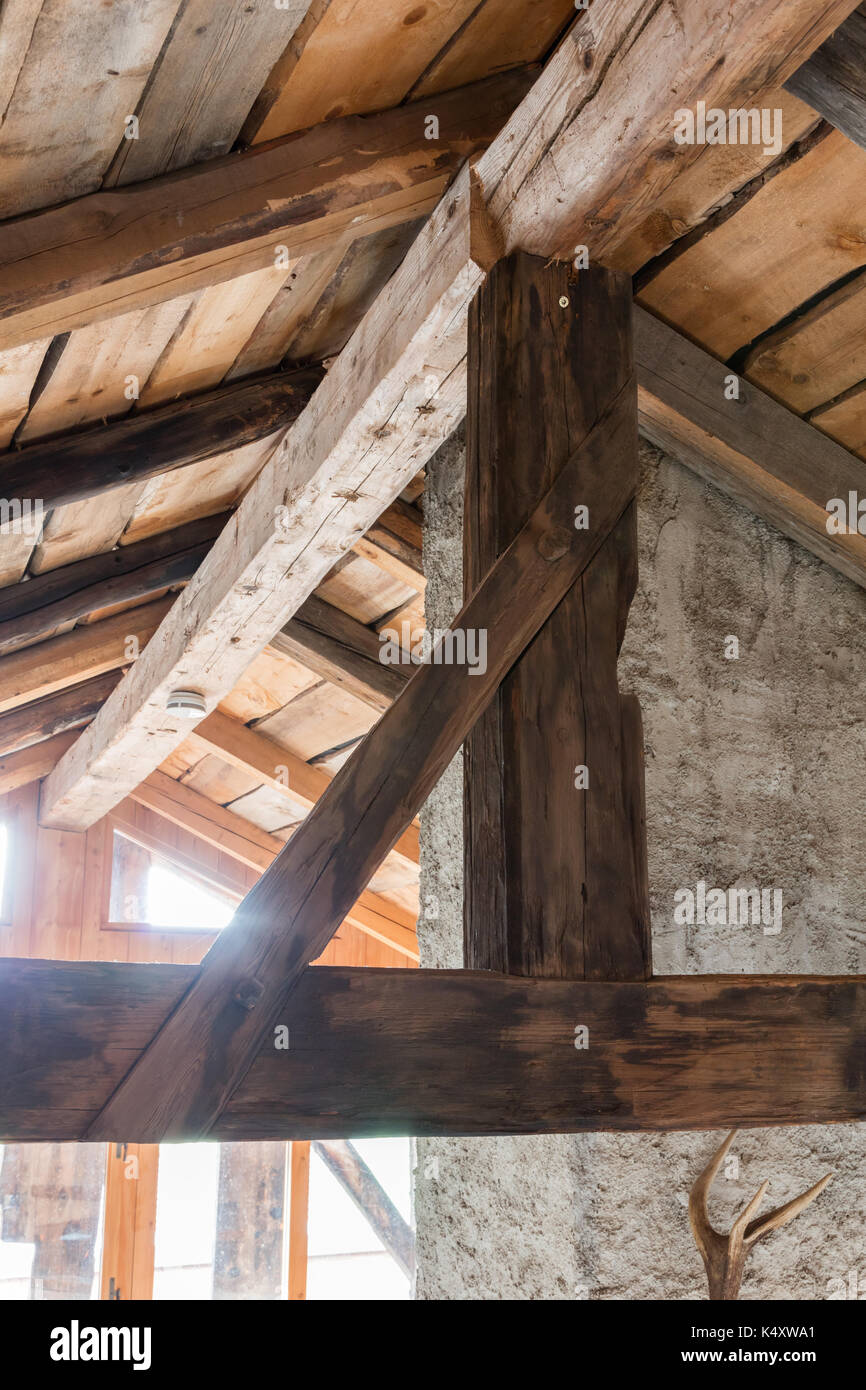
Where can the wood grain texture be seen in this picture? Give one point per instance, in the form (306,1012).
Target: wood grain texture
(75,656)
(346,58)
(549,886)
(819,355)
(833,80)
(125,248)
(383,408)
(87,464)
(340,649)
(55,714)
(38,607)
(211,69)
(377,1052)
(753,448)
(72,73)
(197,1060)
(587,155)
(752,270)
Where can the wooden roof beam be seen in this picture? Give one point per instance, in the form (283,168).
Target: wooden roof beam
(572,165)
(88,463)
(833,80)
(385,405)
(124,248)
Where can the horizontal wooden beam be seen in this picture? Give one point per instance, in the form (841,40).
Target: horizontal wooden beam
(756,450)
(33,610)
(833,80)
(90,462)
(340,649)
(378,1052)
(68,708)
(123,248)
(88,650)
(288,917)
(279,768)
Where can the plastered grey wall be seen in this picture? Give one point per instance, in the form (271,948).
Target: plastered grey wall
(754,778)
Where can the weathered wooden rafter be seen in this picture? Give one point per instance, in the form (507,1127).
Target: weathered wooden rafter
(833,79)
(554,177)
(203,1056)
(123,248)
(88,463)
(32,611)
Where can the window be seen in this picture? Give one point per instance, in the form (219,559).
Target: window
(51,1198)
(346,1259)
(147,889)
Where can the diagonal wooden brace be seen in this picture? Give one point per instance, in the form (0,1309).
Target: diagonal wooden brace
(185,1076)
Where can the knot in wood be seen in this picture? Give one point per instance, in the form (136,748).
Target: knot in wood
(248,992)
(553,544)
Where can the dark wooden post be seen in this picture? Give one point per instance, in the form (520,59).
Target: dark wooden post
(555,873)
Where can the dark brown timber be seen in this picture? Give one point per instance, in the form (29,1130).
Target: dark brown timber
(833,80)
(377,1052)
(38,607)
(550,862)
(198,1058)
(340,649)
(76,466)
(69,708)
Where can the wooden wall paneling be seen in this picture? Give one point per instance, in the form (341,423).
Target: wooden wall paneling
(20,813)
(58,898)
(746,274)
(70,115)
(549,881)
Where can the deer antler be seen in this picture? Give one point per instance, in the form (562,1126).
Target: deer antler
(724,1257)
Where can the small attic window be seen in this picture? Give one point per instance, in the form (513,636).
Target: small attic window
(148,890)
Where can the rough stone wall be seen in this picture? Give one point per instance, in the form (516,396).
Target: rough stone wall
(753,779)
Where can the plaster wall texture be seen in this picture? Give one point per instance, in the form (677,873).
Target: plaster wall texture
(753,780)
